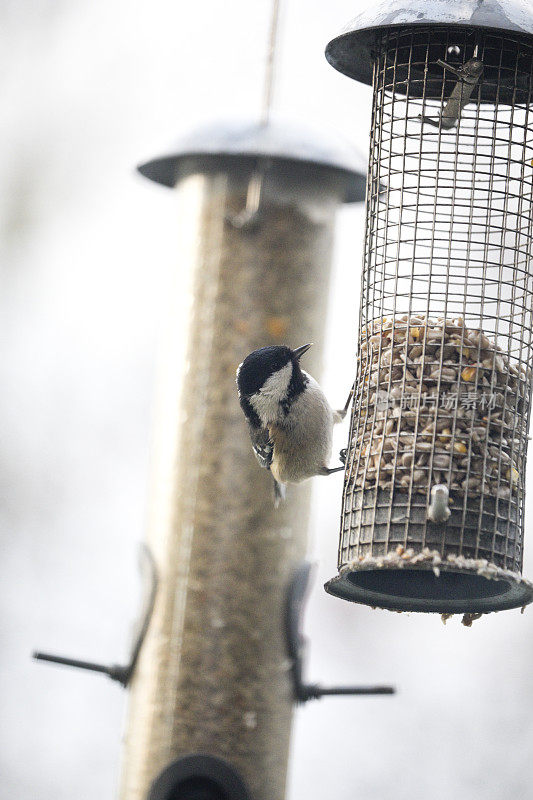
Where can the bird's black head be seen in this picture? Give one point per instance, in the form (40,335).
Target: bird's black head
(261,364)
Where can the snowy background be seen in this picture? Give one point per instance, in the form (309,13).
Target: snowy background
(87,251)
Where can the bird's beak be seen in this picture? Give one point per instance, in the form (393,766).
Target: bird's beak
(301,350)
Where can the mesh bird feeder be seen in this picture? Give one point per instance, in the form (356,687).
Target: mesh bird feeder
(433,504)
(212,696)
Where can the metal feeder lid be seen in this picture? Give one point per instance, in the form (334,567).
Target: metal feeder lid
(285,143)
(351,51)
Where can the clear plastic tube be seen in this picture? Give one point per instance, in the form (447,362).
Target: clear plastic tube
(213,675)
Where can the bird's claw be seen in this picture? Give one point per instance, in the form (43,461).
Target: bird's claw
(343,455)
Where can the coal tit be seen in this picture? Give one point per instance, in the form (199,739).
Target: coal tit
(290,420)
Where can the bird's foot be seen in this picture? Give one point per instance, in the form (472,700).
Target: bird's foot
(331,470)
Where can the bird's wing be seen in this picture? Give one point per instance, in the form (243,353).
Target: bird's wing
(262,445)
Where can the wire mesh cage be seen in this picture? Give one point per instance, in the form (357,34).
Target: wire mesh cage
(433,504)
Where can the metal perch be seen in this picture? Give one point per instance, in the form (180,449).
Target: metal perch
(121,673)
(468,77)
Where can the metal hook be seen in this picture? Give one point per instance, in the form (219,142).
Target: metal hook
(296,644)
(122,674)
(248,218)
(468,76)
(439,510)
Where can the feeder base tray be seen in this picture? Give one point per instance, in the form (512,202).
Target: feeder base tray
(470,588)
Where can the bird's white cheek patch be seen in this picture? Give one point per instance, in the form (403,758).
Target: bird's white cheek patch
(278,384)
(274,390)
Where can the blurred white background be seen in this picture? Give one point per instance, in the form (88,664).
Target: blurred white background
(87,252)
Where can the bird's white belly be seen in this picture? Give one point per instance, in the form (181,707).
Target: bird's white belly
(303,449)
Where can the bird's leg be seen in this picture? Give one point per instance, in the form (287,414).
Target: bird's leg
(349,400)
(330,470)
(339,415)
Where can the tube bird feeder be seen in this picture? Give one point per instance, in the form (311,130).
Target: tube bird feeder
(211,700)
(433,504)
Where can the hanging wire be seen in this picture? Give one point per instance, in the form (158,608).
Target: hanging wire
(248,218)
(270,67)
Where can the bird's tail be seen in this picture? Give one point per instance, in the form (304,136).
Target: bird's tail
(279,493)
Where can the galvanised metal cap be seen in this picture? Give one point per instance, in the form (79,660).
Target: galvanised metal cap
(284,143)
(351,51)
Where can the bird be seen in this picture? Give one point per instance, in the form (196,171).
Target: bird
(290,420)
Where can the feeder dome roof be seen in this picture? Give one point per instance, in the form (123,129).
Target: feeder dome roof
(351,51)
(286,144)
